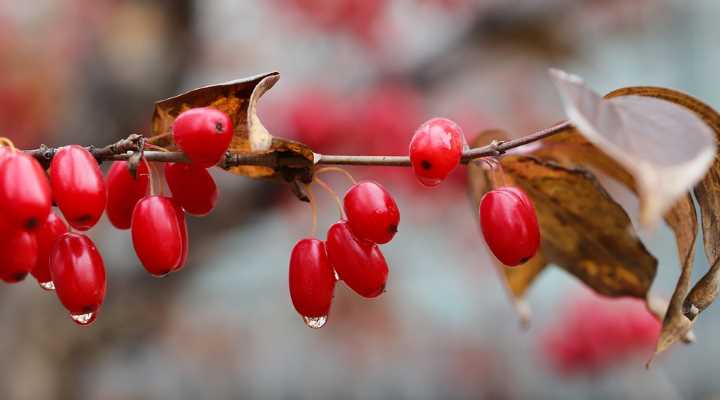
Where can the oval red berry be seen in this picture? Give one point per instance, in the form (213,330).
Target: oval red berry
(25,197)
(78,272)
(509,225)
(78,186)
(53,228)
(203,134)
(18,255)
(157,235)
(435,150)
(124,191)
(371,212)
(359,264)
(193,187)
(312,279)
(183,235)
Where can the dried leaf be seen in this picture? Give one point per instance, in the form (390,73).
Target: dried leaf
(238,99)
(583,230)
(665,147)
(684,222)
(658,306)
(706,289)
(572,149)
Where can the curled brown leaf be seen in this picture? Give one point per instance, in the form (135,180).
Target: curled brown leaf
(664,145)
(238,99)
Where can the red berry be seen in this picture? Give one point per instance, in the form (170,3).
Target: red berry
(312,279)
(435,150)
(25,197)
(192,187)
(124,191)
(360,264)
(371,212)
(78,272)
(183,235)
(157,234)
(203,134)
(509,225)
(78,186)
(53,228)
(18,255)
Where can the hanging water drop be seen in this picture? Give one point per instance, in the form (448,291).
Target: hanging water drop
(49,285)
(315,322)
(84,319)
(337,277)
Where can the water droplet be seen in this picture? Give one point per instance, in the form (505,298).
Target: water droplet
(315,322)
(84,319)
(337,277)
(49,285)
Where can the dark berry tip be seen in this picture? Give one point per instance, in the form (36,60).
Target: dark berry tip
(31,224)
(219,127)
(19,276)
(162,274)
(83,219)
(392,228)
(425,164)
(524,260)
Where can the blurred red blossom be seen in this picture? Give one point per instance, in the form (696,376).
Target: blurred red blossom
(360,18)
(596,333)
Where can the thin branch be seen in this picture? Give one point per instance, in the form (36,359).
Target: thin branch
(493,149)
(125,148)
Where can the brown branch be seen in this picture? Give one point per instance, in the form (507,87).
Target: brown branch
(125,148)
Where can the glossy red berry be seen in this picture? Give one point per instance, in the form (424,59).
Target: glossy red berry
(359,264)
(18,255)
(78,272)
(47,234)
(78,186)
(192,187)
(312,279)
(509,225)
(25,198)
(435,150)
(183,235)
(124,191)
(157,234)
(203,134)
(371,212)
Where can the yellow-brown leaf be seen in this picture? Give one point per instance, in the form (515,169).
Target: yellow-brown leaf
(238,99)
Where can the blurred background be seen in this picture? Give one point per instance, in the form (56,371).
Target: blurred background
(357,77)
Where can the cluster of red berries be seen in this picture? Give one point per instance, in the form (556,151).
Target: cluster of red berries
(507,215)
(350,253)
(35,239)
(157,222)
(596,333)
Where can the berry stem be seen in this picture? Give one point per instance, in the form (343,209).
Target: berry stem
(497,173)
(337,169)
(332,193)
(7,142)
(158,148)
(313,209)
(156,181)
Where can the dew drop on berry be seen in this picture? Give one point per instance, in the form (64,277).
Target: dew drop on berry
(337,277)
(49,285)
(315,322)
(84,319)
